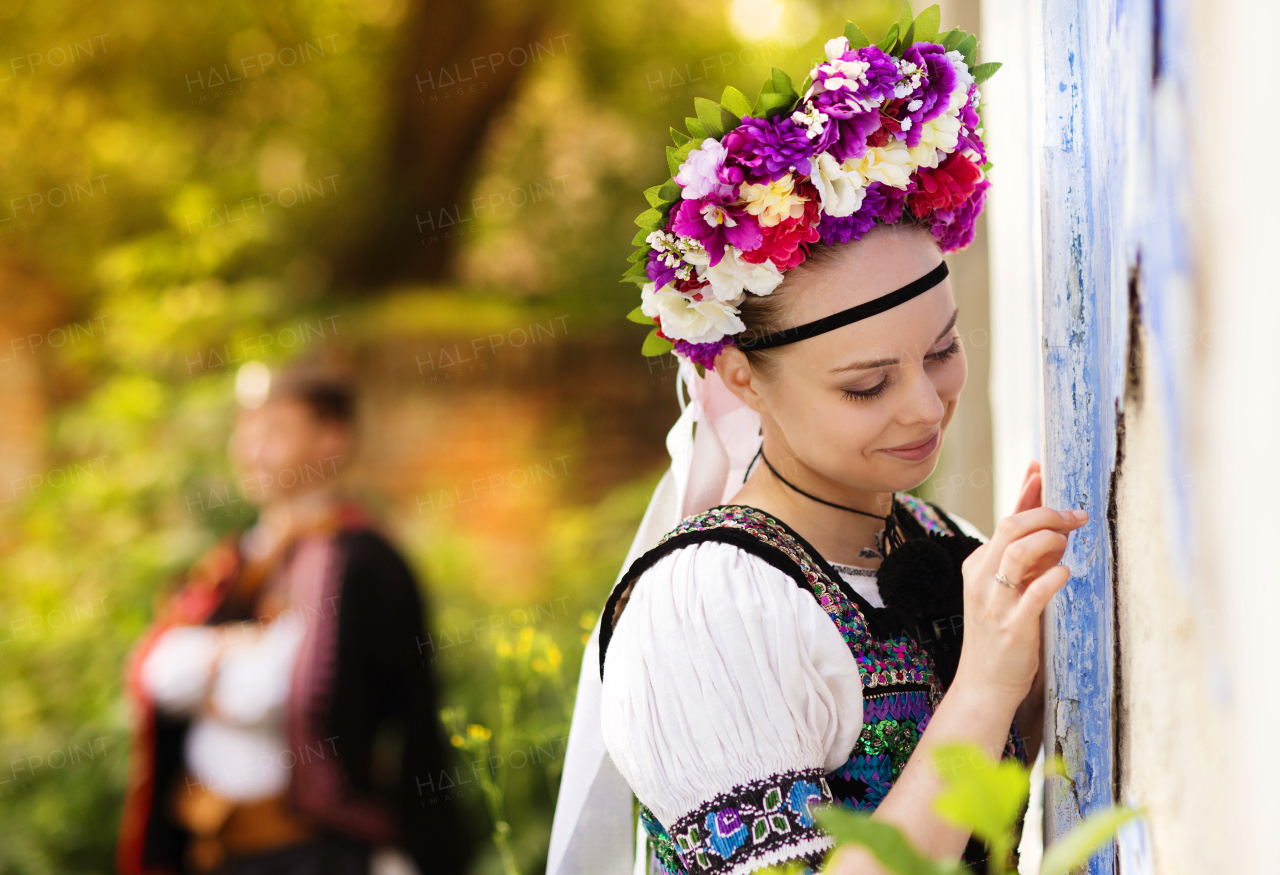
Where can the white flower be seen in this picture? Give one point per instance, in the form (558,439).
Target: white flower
(771,202)
(733,276)
(683,318)
(813,120)
(890,164)
(836,47)
(910,81)
(938,139)
(697,174)
(963,80)
(840,186)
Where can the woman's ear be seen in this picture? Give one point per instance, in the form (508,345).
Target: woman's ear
(736,373)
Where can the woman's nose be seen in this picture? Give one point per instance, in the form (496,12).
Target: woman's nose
(922,406)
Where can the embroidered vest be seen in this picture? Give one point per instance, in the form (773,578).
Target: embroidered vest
(900,691)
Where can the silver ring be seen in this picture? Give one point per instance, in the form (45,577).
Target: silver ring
(1000,578)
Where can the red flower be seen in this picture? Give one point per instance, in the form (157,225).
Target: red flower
(945,187)
(783,243)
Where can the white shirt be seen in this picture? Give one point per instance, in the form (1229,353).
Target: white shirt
(236,743)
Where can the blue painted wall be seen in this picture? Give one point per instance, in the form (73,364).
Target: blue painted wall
(1113,175)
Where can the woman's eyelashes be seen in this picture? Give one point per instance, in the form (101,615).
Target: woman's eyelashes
(943,355)
(880,388)
(867,394)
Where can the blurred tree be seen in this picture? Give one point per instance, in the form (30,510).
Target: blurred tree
(461,63)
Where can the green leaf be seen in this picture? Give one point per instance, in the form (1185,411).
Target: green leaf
(782,82)
(890,38)
(679,137)
(857,39)
(651,220)
(677,155)
(1072,850)
(651,195)
(771,104)
(926,24)
(695,127)
(969,48)
(670,192)
(639,239)
(905,17)
(655,345)
(639,254)
(980,794)
(909,37)
(736,102)
(983,72)
(888,845)
(728,120)
(637,315)
(952,38)
(709,115)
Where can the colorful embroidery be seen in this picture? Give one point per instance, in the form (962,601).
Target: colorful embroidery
(759,823)
(663,857)
(892,724)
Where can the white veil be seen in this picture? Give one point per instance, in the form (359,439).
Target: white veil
(711,445)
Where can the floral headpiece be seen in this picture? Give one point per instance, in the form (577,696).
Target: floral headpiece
(881,131)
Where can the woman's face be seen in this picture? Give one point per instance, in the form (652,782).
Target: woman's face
(863,407)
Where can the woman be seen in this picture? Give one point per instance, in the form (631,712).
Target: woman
(799,644)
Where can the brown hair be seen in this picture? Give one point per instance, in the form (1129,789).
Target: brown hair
(765,314)
(328,391)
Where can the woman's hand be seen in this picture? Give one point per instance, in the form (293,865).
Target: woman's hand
(1001,651)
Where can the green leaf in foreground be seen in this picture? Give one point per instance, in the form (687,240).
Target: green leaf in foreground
(885,842)
(981,794)
(655,345)
(1073,849)
(637,315)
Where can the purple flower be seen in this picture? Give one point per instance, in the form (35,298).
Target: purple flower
(703,353)
(953,229)
(882,204)
(852,81)
(969,122)
(844,229)
(933,97)
(847,138)
(760,149)
(657,269)
(716,225)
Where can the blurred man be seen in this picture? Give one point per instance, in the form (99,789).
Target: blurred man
(285,715)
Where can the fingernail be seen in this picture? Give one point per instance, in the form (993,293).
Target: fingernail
(1080,514)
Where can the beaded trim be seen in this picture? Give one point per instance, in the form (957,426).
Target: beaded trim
(754,824)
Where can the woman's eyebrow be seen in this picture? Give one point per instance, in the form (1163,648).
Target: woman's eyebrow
(884,363)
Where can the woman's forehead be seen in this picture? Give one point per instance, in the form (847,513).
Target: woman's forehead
(858,273)
(902,332)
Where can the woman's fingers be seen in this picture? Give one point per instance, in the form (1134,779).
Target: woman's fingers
(1030,497)
(1038,593)
(1019,525)
(1027,557)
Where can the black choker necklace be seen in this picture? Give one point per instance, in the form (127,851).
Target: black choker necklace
(893,536)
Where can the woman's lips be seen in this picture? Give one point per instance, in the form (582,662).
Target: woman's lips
(917,451)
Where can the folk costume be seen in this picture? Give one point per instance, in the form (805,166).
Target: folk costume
(736,678)
(284,715)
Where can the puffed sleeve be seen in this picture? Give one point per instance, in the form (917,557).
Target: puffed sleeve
(177,670)
(728,695)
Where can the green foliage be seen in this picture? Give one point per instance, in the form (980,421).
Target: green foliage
(885,842)
(655,345)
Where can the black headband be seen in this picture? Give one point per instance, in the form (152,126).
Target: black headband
(848,317)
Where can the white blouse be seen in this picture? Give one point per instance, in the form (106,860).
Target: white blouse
(721,672)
